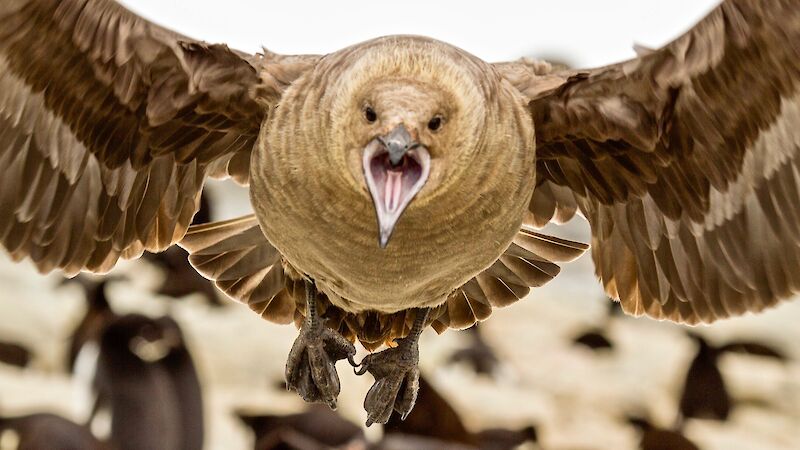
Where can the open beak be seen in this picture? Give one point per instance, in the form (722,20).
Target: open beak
(395,167)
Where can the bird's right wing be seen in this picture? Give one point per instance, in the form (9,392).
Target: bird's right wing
(109,125)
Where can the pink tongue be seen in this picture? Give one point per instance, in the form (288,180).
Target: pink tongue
(392,189)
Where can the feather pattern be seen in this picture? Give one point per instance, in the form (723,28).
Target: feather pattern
(243,264)
(685,161)
(236,255)
(109,125)
(527,263)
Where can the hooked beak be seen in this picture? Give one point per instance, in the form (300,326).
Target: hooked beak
(395,168)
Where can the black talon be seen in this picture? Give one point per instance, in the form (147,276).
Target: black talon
(360,371)
(310,367)
(396,376)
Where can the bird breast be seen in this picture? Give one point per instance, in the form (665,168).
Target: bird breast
(327,230)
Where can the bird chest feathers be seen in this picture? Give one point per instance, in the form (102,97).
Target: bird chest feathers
(312,193)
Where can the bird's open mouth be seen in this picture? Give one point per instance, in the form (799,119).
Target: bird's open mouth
(394,182)
(393,186)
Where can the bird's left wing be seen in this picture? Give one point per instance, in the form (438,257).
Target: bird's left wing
(685,161)
(109,125)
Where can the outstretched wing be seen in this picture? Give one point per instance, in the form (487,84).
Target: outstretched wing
(109,125)
(686,162)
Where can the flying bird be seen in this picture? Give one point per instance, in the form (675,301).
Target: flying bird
(398,183)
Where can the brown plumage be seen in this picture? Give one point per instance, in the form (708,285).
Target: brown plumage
(684,161)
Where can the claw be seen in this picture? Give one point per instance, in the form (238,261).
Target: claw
(396,382)
(310,367)
(361,369)
(354,364)
(396,376)
(408,398)
(311,370)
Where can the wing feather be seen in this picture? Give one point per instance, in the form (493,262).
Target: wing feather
(242,263)
(685,162)
(528,262)
(109,125)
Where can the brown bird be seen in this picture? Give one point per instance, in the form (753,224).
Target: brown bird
(397,183)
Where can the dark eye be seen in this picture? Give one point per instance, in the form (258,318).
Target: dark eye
(435,123)
(370,115)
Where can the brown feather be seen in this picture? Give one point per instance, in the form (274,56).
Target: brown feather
(236,255)
(684,161)
(115,123)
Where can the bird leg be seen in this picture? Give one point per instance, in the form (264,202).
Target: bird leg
(310,368)
(396,376)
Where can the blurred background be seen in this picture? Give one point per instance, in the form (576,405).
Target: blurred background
(178,366)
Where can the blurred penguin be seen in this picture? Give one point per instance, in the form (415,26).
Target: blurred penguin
(98,315)
(317,428)
(657,438)
(147,383)
(705,395)
(46,432)
(478,354)
(435,424)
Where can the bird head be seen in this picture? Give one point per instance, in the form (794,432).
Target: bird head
(403,123)
(407,121)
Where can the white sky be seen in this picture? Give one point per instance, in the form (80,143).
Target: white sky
(584,33)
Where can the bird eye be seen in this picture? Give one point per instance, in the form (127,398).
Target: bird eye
(370,114)
(435,123)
